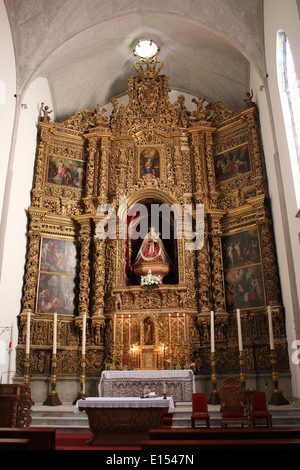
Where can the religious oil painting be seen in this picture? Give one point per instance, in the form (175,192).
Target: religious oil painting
(244,288)
(56,293)
(59,256)
(66,172)
(240,249)
(150,162)
(232,163)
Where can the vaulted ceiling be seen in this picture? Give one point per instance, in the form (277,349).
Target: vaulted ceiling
(85,48)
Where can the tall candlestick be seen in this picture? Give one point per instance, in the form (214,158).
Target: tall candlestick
(270,327)
(239,327)
(28,334)
(83,333)
(212,332)
(54,333)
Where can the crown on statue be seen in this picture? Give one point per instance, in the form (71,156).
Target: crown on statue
(148,68)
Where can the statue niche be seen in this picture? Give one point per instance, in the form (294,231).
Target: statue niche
(153,252)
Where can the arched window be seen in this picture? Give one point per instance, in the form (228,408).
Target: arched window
(290,100)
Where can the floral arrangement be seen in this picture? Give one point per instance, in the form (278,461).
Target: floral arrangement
(126,361)
(150,281)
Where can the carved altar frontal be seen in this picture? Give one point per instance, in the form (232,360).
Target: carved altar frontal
(90,173)
(179,384)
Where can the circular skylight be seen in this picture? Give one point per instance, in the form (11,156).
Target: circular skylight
(146,48)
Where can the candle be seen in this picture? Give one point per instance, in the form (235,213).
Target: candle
(83,333)
(122,332)
(114,329)
(129,333)
(184,328)
(270,327)
(54,333)
(177,327)
(28,334)
(164,388)
(238,316)
(212,332)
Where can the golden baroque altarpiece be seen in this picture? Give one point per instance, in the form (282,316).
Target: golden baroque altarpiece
(151,152)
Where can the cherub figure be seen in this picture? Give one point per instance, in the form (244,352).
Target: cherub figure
(46,117)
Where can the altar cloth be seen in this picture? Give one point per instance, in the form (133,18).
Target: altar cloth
(123,421)
(125,402)
(180,384)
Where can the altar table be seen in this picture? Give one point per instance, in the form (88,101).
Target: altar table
(123,421)
(180,384)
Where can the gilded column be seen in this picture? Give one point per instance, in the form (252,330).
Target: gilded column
(103,171)
(204,276)
(84,272)
(90,174)
(270,271)
(210,172)
(218,297)
(32,263)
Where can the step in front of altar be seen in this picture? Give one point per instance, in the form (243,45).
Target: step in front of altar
(282,416)
(64,420)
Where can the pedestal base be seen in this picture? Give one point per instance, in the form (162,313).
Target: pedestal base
(52,399)
(214,398)
(278,399)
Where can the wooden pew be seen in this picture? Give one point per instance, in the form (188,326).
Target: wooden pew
(278,444)
(40,438)
(224,433)
(14,444)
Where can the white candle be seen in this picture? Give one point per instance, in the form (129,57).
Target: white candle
(184,329)
(212,332)
(83,333)
(238,317)
(164,388)
(122,331)
(114,330)
(54,333)
(129,332)
(28,334)
(177,327)
(270,327)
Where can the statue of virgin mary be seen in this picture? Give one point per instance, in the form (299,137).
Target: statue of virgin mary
(152,255)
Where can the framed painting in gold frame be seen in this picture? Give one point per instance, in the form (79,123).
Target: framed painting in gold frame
(57,282)
(243,275)
(232,163)
(66,172)
(150,162)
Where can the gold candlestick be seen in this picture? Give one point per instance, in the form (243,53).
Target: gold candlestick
(242,369)
(214,397)
(26,369)
(277,397)
(53,399)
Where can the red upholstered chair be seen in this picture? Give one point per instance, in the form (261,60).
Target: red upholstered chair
(259,409)
(200,412)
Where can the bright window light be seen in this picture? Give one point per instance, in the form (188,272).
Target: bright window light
(290,100)
(146,48)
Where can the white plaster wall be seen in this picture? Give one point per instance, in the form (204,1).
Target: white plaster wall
(23,157)
(281,16)
(7,99)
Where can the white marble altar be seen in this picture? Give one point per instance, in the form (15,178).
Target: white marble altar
(180,384)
